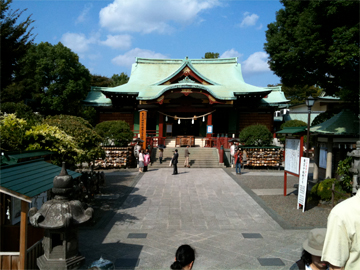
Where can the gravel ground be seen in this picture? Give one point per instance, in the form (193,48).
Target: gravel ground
(285,206)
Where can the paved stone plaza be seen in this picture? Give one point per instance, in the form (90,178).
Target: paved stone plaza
(205,208)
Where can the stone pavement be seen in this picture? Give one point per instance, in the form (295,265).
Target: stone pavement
(204,208)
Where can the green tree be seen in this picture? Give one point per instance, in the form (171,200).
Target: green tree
(117,133)
(84,135)
(100,81)
(317,43)
(56,79)
(255,135)
(117,80)
(210,55)
(16,37)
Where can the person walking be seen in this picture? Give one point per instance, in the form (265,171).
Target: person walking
(232,153)
(161,154)
(174,162)
(146,159)
(141,161)
(186,163)
(238,157)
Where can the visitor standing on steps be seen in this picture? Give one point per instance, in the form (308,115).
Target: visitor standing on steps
(186,163)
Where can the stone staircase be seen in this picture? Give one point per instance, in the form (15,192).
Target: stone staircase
(200,157)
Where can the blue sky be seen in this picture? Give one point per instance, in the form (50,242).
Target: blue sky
(108,35)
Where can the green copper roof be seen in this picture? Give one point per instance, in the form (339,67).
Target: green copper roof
(223,80)
(96,98)
(344,123)
(28,179)
(292,130)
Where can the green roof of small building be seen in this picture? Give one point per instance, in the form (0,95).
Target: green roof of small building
(344,123)
(148,77)
(292,130)
(28,179)
(13,157)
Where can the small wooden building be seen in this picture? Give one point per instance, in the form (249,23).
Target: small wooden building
(334,139)
(23,185)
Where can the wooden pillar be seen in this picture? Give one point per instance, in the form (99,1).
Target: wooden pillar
(209,123)
(161,125)
(329,156)
(316,162)
(142,127)
(23,234)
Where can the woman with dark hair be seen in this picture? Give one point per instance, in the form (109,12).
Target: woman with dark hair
(184,258)
(311,255)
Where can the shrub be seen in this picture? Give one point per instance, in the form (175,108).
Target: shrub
(85,136)
(344,174)
(256,135)
(22,111)
(116,133)
(323,190)
(53,139)
(12,132)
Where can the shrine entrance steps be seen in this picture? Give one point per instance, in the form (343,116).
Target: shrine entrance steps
(171,141)
(200,157)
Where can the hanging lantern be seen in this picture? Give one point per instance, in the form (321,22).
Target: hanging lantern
(192,121)
(179,121)
(203,118)
(166,119)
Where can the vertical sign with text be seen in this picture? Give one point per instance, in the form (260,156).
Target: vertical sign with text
(303,179)
(142,128)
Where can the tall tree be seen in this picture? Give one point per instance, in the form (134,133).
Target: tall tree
(210,55)
(59,82)
(100,81)
(16,37)
(317,43)
(117,80)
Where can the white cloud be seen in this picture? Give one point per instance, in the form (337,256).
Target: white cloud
(118,41)
(148,16)
(231,53)
(84,13)
(128,58)
(256,63)
(76,42)
(249,20)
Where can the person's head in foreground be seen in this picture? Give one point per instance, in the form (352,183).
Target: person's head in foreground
(313,246)
(184,258)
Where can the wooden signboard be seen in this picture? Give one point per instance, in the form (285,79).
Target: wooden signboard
(303,179)
(142,129)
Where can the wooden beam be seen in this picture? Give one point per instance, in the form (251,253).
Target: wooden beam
(23,234)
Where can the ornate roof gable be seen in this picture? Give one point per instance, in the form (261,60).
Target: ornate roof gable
(186,73)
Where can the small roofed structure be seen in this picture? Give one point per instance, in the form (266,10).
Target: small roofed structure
(22,184)
(335,137)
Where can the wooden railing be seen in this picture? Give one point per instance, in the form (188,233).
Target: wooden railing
(34,252)
(10,260)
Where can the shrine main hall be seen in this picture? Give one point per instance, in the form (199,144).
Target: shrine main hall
(187,98)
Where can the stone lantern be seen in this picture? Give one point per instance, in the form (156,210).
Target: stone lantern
(355,167)
(59,217)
